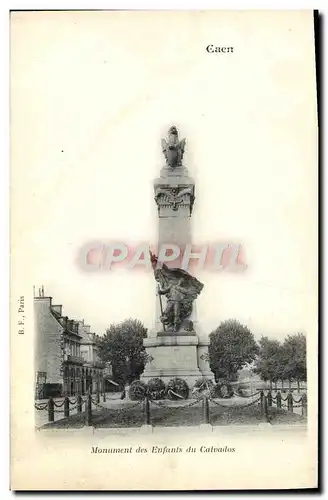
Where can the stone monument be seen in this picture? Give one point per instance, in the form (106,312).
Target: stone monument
(175,345)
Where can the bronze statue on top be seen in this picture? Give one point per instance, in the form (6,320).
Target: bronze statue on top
(173,149)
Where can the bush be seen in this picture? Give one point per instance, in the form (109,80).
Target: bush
(222,389)
(177,387)
(137,391)
(156,388)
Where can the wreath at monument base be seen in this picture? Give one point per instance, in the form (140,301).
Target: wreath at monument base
(223,389)
(243,389)
(156,388)
(137,390)
(202,386)
(177,388)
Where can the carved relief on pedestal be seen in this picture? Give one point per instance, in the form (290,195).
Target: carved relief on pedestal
(175,197)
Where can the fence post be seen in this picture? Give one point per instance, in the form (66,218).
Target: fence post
(269,398)
(304,405)
(88,409)
(206,411)
(262,398)
(266,411)
(79,403)
(290,402)
(147,411)
(66,407)
(278,399)
(51,410)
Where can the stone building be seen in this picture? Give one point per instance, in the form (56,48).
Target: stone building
(93,368)
(66,353)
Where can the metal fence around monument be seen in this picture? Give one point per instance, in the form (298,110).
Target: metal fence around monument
(89,405)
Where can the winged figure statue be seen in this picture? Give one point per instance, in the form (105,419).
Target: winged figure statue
(173,148)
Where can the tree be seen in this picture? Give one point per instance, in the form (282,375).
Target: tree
(232,346)
(294,353)
(122,346)
(269,363)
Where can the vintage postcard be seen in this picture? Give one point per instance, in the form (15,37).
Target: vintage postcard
(164,236)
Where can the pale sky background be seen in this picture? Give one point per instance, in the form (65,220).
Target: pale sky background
(91,96)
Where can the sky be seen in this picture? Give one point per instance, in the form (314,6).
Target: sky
(92,96)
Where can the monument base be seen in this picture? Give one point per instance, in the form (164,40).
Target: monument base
(176,355)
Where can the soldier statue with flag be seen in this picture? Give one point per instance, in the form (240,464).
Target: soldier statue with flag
(180,290)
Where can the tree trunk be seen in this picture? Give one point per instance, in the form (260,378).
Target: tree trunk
(282,383)
(290,384)
(126,389)
(129,372)
(275,385)
(270,385)
(298,385)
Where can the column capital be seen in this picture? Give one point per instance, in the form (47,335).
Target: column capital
(175,196)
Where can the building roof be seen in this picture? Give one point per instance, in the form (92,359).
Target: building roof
(70,326)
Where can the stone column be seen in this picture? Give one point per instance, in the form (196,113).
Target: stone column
(174,218)
(175,353)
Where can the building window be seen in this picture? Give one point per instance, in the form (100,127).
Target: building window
(41,378)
